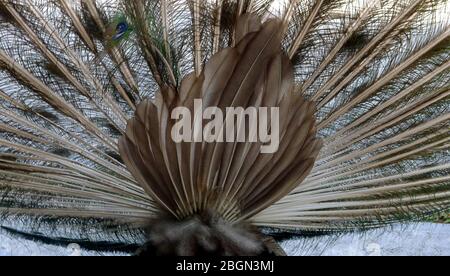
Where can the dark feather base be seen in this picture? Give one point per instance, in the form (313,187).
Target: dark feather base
(206,235)
(149,250)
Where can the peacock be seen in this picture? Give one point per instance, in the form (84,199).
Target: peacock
(87,94)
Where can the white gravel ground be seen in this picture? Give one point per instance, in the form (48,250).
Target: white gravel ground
(424,239)
(418,240)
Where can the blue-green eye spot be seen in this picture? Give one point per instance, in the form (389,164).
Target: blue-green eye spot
(121,30)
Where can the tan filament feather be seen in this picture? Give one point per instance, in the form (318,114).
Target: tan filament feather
(233,180)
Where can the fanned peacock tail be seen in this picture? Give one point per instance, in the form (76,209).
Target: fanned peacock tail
(87,88)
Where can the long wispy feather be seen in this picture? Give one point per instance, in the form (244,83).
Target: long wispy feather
(364,95)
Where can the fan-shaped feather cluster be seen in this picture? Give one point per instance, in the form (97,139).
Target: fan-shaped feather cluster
(86,94)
